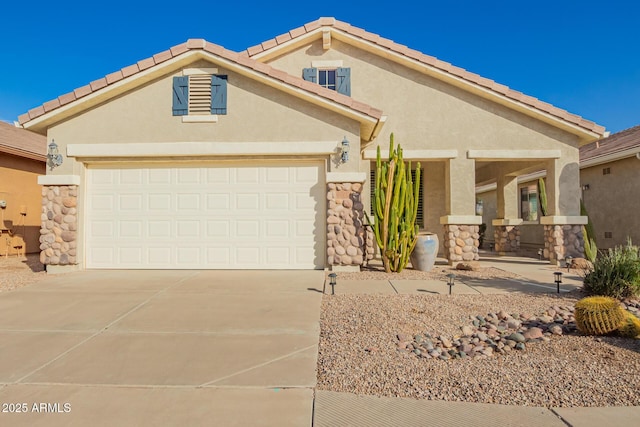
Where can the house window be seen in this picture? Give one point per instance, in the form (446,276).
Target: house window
(420,214)
(529,203)
(327,78)
(200,96)
(606,171)
(608,235)
(338,79)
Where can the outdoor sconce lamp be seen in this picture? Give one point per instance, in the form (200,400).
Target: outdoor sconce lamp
(540,252)
(450,278)
(585,187)
(567,262)
(345,150)
(558,279)
(54,158)
(332,282)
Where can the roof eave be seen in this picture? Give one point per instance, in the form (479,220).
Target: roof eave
(40,124)
(584,134)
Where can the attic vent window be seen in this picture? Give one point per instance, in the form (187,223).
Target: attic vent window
(199,96)
(606,171)
(608,235)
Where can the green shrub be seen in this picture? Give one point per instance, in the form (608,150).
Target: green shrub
(615,273)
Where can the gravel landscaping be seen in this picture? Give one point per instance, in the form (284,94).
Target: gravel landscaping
(367,345)
(16,272)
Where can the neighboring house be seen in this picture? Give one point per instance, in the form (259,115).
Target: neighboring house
(22,160)
(610,178)
(200,157)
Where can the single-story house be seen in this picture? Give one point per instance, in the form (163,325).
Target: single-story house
(22,160)
(201,157)
(610,180)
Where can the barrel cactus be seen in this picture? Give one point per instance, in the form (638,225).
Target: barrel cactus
(630,326)
(395,208)
(598,315)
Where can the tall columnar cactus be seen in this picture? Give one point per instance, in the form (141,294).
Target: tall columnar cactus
(395,207)
(589,235)
(542,191)
(598,315)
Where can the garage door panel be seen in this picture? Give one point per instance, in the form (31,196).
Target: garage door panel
(215,216)
(188,202)
(130,229)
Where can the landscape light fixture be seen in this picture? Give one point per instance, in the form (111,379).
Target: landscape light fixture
(567,262)
(332,282)
(345,150)
(54,158)
(558,279)
(450,281)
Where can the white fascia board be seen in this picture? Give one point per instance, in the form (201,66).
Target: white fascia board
(59,180)
(183,149)
(113,89)
(513,154)
(595,161)
(415,154)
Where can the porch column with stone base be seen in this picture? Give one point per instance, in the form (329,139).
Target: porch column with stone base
(461,237)
(563,237)
(349,242)
(507,235)
(58,232)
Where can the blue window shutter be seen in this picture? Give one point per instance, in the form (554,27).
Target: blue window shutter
(181,96)
(310,74)
(343,84)
(218,94)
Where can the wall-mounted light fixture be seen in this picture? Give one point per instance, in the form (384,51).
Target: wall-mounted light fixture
(54,158)
(585,187)
(345,150)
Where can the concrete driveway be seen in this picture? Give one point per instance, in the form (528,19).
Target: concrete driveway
(161,348)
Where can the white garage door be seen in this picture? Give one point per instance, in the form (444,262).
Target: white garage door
(214,216)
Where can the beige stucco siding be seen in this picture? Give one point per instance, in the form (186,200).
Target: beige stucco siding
(424,112)
(19,188)
(256,113)
(613,201)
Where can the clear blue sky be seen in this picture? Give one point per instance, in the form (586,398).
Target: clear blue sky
(583,56)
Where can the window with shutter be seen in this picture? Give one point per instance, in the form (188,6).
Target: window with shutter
(180,96)
(199,96)
(338,79)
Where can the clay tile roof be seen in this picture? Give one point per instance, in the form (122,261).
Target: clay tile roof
(431,61)
(199,44)
(624,140)
(23,143)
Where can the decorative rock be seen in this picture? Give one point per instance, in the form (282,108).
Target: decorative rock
(467,331)
(556,330)
(517,337)
(468,265)
(532,333)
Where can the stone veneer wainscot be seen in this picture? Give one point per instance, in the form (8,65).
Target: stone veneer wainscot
(349,241)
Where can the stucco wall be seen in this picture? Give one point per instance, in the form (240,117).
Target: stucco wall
(256,113)
(425,113)
(19,187)
(613,201)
